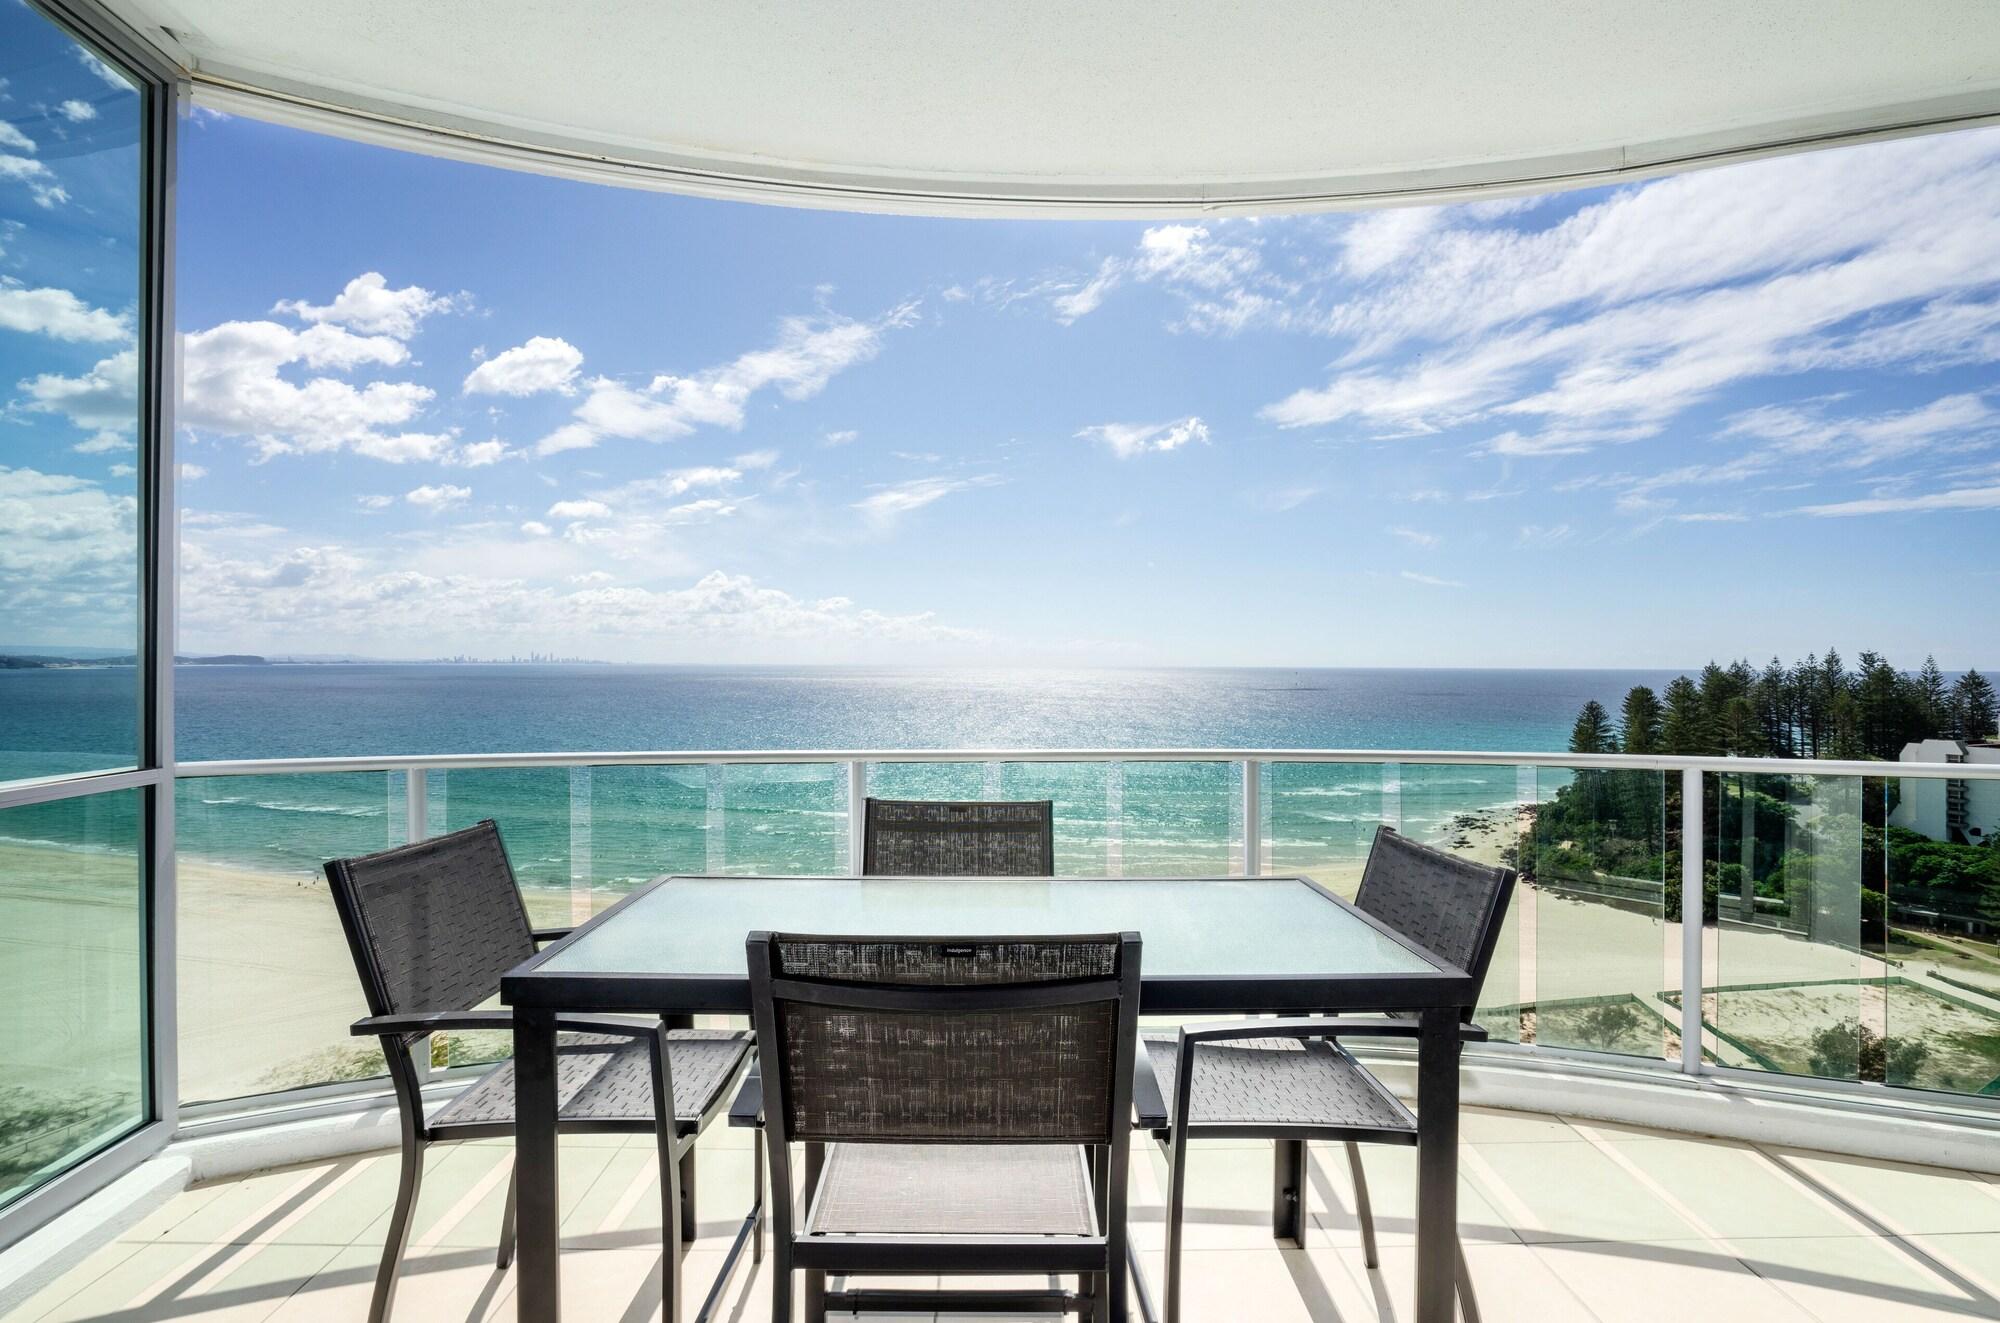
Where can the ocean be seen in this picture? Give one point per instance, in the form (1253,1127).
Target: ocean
(608,827)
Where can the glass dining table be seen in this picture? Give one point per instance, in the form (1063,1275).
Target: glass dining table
(1225,945)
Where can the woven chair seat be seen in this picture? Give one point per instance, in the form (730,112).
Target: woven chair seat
(1283,1083)
(953,1190)
(609,1078)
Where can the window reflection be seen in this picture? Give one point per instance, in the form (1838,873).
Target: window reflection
(70,218)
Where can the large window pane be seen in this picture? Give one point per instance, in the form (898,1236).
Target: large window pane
(1929,846)
(1796,988)
(267,984)
(1593,929)
(72,982)
(70,219)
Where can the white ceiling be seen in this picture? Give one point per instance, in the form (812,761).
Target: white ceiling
(1149,106)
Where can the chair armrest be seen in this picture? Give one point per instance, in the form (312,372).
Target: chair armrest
(552,934)
(747,1112)
(1149,1105)
(1335,1026)
(1352,1028)
(432,1021)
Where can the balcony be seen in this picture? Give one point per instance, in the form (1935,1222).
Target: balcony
(1567,1221)
(1744,1054)
(1723,1053)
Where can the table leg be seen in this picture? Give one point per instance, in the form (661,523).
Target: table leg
(1288,1191)
(538,1295)
(1437,1166)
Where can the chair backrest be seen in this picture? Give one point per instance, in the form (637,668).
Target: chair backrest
(1015,1040)
(1452,907)
(942,838)
(432,925)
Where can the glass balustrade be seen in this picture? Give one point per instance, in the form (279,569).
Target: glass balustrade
(1841,940)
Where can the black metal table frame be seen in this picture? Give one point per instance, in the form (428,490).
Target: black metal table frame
(1442,996)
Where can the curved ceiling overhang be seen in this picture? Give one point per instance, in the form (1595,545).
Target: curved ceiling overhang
(1116,107)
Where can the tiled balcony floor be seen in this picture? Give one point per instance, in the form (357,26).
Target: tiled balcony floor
(1564,1221)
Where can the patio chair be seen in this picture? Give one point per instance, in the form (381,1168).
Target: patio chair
(432,927)
(1290,1080)
(964,1107)
(968,838)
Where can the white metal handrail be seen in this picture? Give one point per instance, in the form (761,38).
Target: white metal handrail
(1421,757)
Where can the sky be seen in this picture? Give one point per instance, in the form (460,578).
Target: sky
(432,408)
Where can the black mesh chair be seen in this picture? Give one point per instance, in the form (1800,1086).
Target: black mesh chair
(964,1107)
(975,838)
(432,927)
(1290,1080)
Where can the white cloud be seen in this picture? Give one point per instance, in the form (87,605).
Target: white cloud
(1854,441)
(1380,239)
(76,111)
(232,385)
(891,503)
(109,76)
(1542,536)
(313,592)
(439,496)
(375,502)
(12,137)
(479,454)
(1709,517)
(103,399)
(756,459)
(1430,580)
(38,177)
(840,438)
(579,510)
(1416,537)
(66,559)
(807,353)
(536,528)
(543,363)
(1958,498)
(405,447)
(368,305)
(1126,440)
(59,314)
(1087,297)
(570,436)
(1189,255)
(189,472)
(1604,327)
(103,443)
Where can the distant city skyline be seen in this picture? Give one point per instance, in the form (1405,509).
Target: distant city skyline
(433,408)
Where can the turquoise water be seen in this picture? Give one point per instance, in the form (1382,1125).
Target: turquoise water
(610,826)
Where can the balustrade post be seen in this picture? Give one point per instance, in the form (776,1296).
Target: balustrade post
(857,813)
(416,805)
(1692,849)
(1253,818)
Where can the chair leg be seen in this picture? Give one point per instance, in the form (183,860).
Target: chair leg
(757,1199)
(506,1255)
(813,1290)
(688,1227)
(1364,1212)
(1468,1307)
(670,1231)
(408,1184)
(1176,1211)
(781,1282)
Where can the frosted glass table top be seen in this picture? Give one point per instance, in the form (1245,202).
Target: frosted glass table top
(1282,933)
